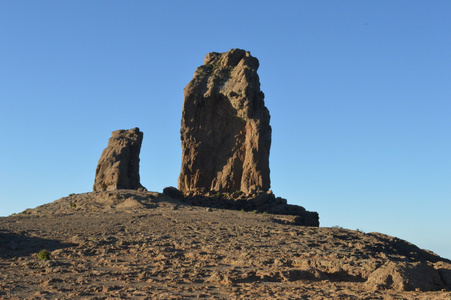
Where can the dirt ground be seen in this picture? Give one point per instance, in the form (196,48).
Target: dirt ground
(148,246)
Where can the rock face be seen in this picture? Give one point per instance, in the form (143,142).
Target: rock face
(225,132)
(118,167)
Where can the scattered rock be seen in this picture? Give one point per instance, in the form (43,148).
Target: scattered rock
(118,166)
(225,132)
(308,274)
(194,253)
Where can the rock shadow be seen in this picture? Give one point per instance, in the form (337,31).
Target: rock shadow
(18,245)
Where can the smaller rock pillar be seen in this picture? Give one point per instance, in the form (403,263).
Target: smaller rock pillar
(118,166)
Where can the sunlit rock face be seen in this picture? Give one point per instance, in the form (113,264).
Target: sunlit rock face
(225,131)
(118,166)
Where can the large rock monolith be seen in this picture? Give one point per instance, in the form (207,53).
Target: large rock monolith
(118,167)
(225,132)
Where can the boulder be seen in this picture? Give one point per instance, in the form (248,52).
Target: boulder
(173,193)
(444,269)
(118,166)
(225,131)
(405,276)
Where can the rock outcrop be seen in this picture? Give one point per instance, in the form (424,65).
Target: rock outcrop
(405,276)
(225,132)
(118,167)
(263,202)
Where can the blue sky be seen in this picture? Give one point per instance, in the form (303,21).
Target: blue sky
(359,95)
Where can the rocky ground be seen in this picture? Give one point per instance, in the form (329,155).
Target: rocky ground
(142,245)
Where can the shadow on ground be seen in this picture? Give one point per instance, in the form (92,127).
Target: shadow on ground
(17,245)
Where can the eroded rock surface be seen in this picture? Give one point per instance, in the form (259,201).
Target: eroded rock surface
(118,166)
(225,132)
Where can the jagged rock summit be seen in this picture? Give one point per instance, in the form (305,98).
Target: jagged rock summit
(118,166)
(225,132)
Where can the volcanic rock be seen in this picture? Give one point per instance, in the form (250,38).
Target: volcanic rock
(225,132)
(118,166)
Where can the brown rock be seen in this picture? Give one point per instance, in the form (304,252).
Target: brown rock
(225,132)
(405,276)
(173,192)
(118,167)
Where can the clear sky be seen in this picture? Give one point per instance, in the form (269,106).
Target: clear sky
(359,94)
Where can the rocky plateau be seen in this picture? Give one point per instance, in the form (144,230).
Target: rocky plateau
(130,244)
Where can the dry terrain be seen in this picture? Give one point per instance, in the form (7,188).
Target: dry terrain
(142,245)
